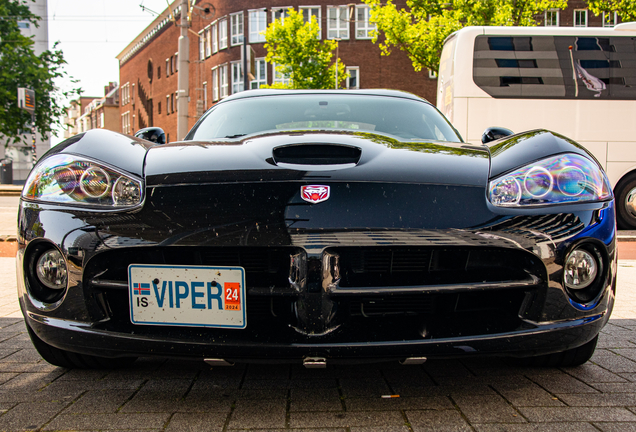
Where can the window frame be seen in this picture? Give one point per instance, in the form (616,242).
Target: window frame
(615,19)
(223,35)
(256,36)
(278,77)
(302,9)
(574,22)
(201,45)
(223,81)
(558,18)
(208,41)
(215,84)
(238,37)
(205,96)
(338,29)
(367,27)
(236,82)
(348,69)
(259,80)
(283,11)
(215,37)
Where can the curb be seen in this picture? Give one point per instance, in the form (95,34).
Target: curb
(10,190)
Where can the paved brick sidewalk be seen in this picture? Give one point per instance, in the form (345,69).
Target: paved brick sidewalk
(171,395)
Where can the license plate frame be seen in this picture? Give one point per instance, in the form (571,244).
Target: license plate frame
(187,296)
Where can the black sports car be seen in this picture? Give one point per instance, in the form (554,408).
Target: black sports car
(317,227)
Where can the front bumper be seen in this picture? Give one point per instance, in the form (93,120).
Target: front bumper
(490,286)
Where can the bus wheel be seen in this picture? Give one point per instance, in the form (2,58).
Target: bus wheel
(626,203)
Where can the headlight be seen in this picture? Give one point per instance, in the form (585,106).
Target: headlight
(559,179)
(68,179)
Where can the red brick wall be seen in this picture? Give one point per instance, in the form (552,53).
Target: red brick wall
(376,71)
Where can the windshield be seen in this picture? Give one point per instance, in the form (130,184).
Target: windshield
(399,117)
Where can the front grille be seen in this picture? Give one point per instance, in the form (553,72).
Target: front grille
(412,267)
(381,293)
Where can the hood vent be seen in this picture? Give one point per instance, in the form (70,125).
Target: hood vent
(317,154)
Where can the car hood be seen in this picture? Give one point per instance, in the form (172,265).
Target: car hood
(299,156)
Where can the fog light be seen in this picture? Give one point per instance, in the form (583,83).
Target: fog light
(51,269)
(580,270)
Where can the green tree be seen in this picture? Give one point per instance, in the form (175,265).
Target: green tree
(420,30)
(296,49)
(21,67)
(625,9)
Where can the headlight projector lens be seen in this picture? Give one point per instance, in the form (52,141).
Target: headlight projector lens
(580,270)
(94,182)
(51,269)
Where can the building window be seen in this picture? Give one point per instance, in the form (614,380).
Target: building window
(353,82)
(432,74)
(236,27)
(258,24)
(312,11)
(125,94)
(223,33)
(215,38)
(158,72)
(125,123)
(580,18)
(364,28)
(201,45)
(208,42)
(338,22)
(552,18)
(175,65)
(101,119)
(280,14)
(205,96)
(223,81)
(260,74)
(280,77)
(24,24)
(168,105)
(167,68)
(215,84)
(609,19)
(173,105)
(237,77)
(159,107)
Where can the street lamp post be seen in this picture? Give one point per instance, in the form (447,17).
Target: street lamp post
(184,74)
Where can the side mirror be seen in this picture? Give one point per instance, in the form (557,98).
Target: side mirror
(152,134)
(494,133)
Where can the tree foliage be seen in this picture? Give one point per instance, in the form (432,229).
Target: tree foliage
(420,30)
(625,9)
(294,46)
(21,67)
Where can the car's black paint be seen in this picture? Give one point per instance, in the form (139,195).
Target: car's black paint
(211,201)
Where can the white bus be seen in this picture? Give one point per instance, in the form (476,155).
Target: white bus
(578,82)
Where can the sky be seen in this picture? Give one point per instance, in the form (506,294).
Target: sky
(91,33)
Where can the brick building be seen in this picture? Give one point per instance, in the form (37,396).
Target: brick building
(87,112)
(148,65)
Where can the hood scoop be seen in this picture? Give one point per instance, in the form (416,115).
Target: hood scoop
(317,154)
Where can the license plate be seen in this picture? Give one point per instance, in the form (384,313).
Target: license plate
(187,295)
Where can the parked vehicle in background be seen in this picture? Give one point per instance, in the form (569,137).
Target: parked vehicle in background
(579,82)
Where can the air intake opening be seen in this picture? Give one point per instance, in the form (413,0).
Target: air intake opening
(317,154)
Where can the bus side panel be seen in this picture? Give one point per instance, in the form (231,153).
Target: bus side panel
(586,120)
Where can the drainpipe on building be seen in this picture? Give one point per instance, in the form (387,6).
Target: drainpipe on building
(183,92)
